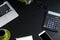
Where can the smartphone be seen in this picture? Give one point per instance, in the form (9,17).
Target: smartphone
(45,36)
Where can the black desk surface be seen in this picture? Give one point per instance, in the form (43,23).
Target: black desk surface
(30,20)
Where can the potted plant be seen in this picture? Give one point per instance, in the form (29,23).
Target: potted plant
(26,1)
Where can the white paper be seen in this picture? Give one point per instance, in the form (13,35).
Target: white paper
(25,38)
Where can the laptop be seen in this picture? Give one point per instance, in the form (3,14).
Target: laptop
(7,13)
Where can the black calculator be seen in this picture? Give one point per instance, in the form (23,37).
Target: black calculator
(52,22)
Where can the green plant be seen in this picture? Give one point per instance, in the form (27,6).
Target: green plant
(26,1)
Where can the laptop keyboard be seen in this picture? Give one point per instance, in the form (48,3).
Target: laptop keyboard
(4,9)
